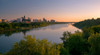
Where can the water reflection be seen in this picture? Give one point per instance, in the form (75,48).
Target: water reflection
(51,32)
(51,27)
(9,33)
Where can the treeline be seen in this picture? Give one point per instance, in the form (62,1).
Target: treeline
(10,28)
(88,23)
(20,26)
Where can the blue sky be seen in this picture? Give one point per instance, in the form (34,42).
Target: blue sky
(60,10)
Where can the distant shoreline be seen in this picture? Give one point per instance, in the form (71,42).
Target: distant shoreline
(19,29)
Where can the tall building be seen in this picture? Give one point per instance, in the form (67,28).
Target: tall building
(35,20)
(24,19)
(19,20)
(52,20)
(29,19)
(44,20)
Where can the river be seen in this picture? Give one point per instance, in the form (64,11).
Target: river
(51,32)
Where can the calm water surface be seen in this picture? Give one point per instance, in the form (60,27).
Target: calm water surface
(51,32)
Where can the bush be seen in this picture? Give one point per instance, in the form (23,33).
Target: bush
(76,44)
(94,41)
(31,46)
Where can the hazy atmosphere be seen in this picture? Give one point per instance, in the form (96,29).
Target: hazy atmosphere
(60,10)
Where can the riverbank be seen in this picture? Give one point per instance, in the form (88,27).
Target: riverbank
(11,28)
(21,26)
(24,26)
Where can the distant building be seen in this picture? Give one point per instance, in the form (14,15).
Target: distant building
(29,19)
(14,21)
(52,20)
(24,19)
(19,20)
(39,20)
(48,21)
(44,20)
(0,20)
(4,20)
(35,20)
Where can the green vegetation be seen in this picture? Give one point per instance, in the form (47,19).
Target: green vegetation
(31,46)
(88,23)
(94,41)
(0,53)
(75,43)
(20,26)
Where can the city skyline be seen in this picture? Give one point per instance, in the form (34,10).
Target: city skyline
(59,10)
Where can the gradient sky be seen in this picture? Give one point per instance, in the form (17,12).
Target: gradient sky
(60,10)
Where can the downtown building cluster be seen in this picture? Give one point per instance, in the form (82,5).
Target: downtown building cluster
(26,20)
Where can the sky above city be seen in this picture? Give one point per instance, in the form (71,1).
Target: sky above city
(59,10)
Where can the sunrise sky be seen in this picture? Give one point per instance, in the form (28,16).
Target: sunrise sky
(60,10)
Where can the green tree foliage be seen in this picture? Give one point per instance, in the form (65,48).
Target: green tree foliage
(95,29)
(94,41)
(88,23)
(75,44)
(64,51)
(65,36)
(91,30)
(31,46)
(11,26)
(87,32)
(0,54)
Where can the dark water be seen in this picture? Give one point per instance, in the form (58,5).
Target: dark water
(51,32)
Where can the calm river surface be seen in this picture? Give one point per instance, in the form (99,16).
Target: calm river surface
(51,32)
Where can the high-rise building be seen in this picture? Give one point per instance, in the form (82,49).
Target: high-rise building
(24,19)
(19,20)
(35,20)
(52,20)
(29,19)
(44,20)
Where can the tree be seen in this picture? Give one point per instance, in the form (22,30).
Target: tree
(76,44)
(0,54)
(94,41)
(31,46)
